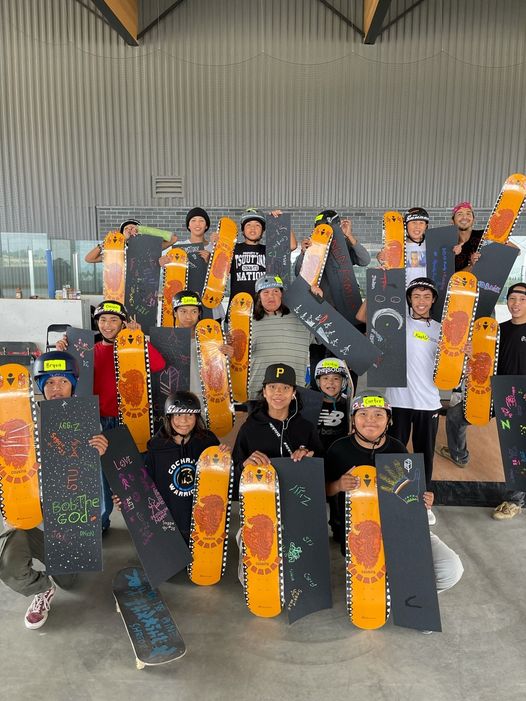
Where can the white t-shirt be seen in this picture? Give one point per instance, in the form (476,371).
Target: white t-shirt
(421,344)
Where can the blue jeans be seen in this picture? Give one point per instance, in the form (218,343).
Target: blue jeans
(107,422)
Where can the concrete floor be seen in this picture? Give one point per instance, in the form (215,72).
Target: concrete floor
(83,652)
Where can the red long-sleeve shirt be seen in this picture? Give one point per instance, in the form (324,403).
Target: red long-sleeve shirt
(105,381)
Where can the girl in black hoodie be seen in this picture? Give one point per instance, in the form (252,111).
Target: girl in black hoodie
(173,453)
(275,428)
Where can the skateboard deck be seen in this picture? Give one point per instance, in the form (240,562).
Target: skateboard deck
(457,324)
(440,263)
(70,479)
(134,391)
(80,345)
(261,540)
(175,275)
(393,234)
(479,370)
(153,634)
(240,329)
(277,240)
(386,325)
(506,211)
(407,543)
(306,557)
(366,584)
(114,261)
(339,274)
(316,254)
(219,264)
(337,334)
(141,288)
(215,377)
(211,516)
(509,398)
(19,458)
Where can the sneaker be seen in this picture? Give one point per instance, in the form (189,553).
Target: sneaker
(431,518)
(36,614)
(443,451)
(506,510)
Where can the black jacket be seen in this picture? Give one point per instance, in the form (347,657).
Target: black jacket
(277,439)
(172,468)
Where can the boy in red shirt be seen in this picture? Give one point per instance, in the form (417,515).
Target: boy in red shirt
(111,317)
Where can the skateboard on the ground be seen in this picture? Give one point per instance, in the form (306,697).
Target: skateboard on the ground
(393,234)
(315,255)
(506,211)
(19,458)
(261,540)
(211,516)
(175,275)
(366,583)
(240,330)
(479,370)
(455,332)
(114,266)
(215,377)
(219,263)
(153,634)
(134,392)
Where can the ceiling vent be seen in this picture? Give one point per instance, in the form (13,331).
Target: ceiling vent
(167,186)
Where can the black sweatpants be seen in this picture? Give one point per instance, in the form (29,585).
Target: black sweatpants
(424,425)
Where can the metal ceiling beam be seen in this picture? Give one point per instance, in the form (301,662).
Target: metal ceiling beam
(162,15)
(123,16)
(374,12)
(343,18)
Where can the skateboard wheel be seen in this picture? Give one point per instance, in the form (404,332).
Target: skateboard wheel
(139,664)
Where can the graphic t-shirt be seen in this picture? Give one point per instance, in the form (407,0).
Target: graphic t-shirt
(248,265)
(415,260)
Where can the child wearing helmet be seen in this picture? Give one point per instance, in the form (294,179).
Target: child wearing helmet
(416,222)
(173,453)
(333,380)
(416,406)
(187,310)
(130,228)
(277,335)
(358,253)
(56,374)
(370,419)
(249,259)
(111,317)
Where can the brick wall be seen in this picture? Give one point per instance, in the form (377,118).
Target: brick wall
(367,223)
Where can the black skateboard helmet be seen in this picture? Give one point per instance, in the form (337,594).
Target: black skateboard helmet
(110,306)
(328,216)
(416,214)
(55,363)
(127,222)
(186,298)
(421,282)
(182,402)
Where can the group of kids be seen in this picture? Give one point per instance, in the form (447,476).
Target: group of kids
(352,427)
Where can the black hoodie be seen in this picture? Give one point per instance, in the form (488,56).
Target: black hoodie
(274,438)
(172,468)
